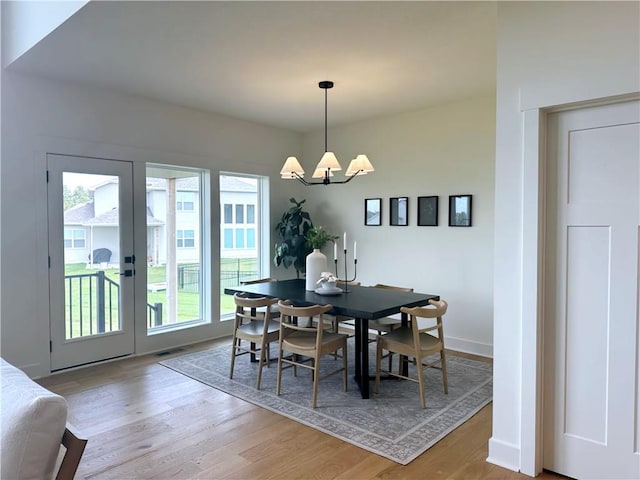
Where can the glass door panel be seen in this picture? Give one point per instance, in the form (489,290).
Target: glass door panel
(91,259)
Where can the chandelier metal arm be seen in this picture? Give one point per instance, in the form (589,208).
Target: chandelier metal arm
(325,181)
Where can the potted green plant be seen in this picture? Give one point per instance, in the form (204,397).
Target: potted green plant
(317,237)
(292,248)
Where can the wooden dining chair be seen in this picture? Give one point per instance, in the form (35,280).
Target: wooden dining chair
(415,341)
(253,324)
(385,325)
(307,344)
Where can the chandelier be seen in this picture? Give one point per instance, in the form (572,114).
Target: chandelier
(328,163)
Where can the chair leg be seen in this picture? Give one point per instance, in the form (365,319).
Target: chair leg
(294,357)
(344,366)
(443,362)
(279,374)
(316,367)
(268,358)
(378,365)
(421,382)
(233,355)
(263,347)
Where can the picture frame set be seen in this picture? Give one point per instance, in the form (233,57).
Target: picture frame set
(460,211)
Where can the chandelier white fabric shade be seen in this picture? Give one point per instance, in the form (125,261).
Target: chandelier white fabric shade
(359,166)
(329,160)
(328,163)
(291,166)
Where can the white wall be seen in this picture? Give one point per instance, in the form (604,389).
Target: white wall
(549,53)
(444,150)
(38,113)
(26,23)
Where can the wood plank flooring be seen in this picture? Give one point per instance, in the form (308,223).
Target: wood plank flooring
(146,421)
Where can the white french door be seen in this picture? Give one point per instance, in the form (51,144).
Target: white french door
(592,339)
(92,266)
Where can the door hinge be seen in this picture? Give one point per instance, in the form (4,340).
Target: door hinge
(47,176)
(49,259)
(50,346)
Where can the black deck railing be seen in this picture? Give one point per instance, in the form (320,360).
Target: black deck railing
(92,305)
(92,299)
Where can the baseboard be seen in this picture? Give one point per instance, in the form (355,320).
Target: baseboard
(467,346)
(505,455)
(33,370)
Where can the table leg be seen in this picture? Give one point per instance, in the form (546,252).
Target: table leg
(404,361)
(362,356)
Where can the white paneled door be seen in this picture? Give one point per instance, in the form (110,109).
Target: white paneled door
(591,395)
(91,262)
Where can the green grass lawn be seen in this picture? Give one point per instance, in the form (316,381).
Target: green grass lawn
(233,271)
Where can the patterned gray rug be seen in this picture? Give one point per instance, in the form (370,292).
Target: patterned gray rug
(391,423)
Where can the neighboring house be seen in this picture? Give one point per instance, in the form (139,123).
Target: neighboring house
(93,225)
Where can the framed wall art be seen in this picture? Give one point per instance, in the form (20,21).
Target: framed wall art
(428,211)
(399,211)
(373,211)
(459,210)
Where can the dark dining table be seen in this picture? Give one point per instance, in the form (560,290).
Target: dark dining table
(360,302)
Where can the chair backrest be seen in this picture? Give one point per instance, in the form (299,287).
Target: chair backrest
(392,287)
(290,317)
(437,312)
(252,304)
(260,280)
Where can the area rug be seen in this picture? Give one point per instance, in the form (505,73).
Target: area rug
(391,423)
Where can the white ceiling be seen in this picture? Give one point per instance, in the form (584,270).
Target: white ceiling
(262,61)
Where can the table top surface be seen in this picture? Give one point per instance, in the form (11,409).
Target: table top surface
(358,301)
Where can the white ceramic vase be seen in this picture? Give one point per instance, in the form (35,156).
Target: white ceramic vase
(316,263)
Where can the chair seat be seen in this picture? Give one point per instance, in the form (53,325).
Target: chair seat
(307,340)
(404,336)
(385,324)
(255,329)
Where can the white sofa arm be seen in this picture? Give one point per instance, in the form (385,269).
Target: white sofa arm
(33,422)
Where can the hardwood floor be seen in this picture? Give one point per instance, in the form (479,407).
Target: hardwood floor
(146,421)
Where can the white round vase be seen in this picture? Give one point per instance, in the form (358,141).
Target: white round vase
(316,263)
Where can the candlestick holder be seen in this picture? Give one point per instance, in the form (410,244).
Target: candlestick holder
(346,279)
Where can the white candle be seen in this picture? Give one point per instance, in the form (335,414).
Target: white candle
(335,250)
(354,251)
(344,241)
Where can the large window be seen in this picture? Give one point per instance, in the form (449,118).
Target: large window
(176,290)
(241,231)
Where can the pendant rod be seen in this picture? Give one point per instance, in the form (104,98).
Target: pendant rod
(325,121)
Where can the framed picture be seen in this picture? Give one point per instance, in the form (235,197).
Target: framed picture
(399,211)
(459,210)
(428,211)
(373,211)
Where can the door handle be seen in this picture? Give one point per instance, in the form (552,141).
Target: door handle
(128,273)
